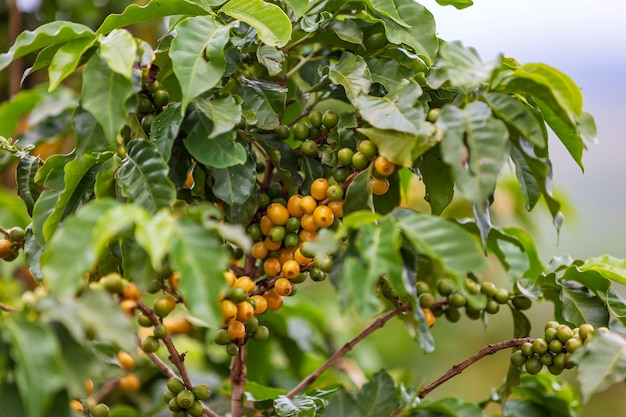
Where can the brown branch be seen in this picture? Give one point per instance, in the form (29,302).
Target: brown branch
(4,231)
(105,389)
(375,325)
(238,373)
(8,309)
(460,367)
(15,68)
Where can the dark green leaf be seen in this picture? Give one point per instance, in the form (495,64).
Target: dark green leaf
(358,194)
(387,9)
(283,158)
(12,110)
(201,259)
(347,30)
(224,113)
(608,266)
(105,179)
(152,10)
(66,59)
(518,116)
(449,407)
(271,58)
(476,146)
(25,177)
(352,73)
(45,35)
(38,356)
(388,71)
(545,392)
(154,234)
(234,184)
(105,99)
(33,252)
(581,306)
(461,66)
(378,397)
(263,103)
(438,180)
(271,23)
(197,54)
(143,177)
(219,152)
(165,128)
(89,134)
(342,404)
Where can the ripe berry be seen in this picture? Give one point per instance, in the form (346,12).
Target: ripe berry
(277,214)
(259,251)
(274,300)
(229,310)
(293,206)
(383,166)
(429,316)
(271,245)
(89,387)
(301,258)
(308,204)
(129,383)
(291,269)
(245,311)
(77,406)
(283,286)
(246,283)
(379,186)
(323,216)
(125,359)
(261,304)
(271,267)
(319,188)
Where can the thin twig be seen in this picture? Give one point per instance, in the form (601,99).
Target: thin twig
(8,309)
(4,231)
(238,382)
(375,325)
(460,367)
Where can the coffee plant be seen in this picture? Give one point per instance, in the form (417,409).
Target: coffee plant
(259,148)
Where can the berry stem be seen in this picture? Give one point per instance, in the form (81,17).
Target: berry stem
(460,367)
(8,309)
(4,231)
(375,325)
(238,373)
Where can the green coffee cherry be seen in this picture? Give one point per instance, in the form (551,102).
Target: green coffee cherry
(540,346)
(100,410)
(564,333)
(527,349)
(260,334)
(546,359)
(150,344)
(453,315)
(167,396)
(457,300)
(501,296)
(445,286)
(221,337)
(232,349)
(426,300)
(196,409)
(585,331)
(488,288)
(533,365)
(521,302)
(201,392)
(185,398)
(550,334)
(173,405)
(518,358)
(555,346)
(175,385)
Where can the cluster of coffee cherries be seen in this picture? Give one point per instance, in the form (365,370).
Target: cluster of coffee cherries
(151,100)
(184,401)
(453,301)
(554,350)
(11,243)
(85,407)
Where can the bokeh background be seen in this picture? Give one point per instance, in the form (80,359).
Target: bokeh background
(585,40)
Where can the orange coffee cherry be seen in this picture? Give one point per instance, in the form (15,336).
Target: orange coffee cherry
(379,186)
(291,269)
(266,224)
(319,188)
(125,359)
(384,166)
(293,205)
(307,222)
(236,330)
(245,311)
(230,278)
(246,283)
(129,383)
(259,251)
(261,304)
(274,300)
(277,213)
(300,258)
(308,204)
(271,267)
(323,216)
(336,207)
(283,286)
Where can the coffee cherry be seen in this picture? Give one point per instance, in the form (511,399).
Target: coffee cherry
(125,360)
(518,358)
(453,315)
(261,304)
(283,286)
(527,349)
(196,409)
(89,386)
(383,166)
(282,131)
(129,383)
(237,294)
(174,407)
(546,359)
(277,234)
(319,188)
(457,300)
(201,392)
(146,122)
(232,349)
(144,105)
(344,156)
(246,283)
(445,286)
(488,288)
(564,333)
(472,312)
(379,186)
(433,115)
(573,344)
(501,296)
(359,160)
(552,325)
(422,287)
(540,346)
(229,310)
(245,311)
(150,344)
(175,385)
(271,267)
(330,119)
(315,117)
(152,86)
(100,410)
(368,149)
(426,300)
(300,131)
(429,316)
(555,346)
(236,330)
(161,98)
(274,300)
(160,331)
(277,214)
(260,334)
(164,306)
(17,234)
(221,337)
(291,269)
(550,334)
(533,365)
(113,283)
(521,302)
(309,148)
(585,331)
(77,406)
(185,398)
(291,241)
(323,216)
(5,248)
(492,307)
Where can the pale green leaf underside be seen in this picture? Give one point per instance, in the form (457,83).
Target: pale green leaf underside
(272,24)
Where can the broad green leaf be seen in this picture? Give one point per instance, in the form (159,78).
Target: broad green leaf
(535,266)
(393,145)
(105,179)
(352,73)
(559,98)
(419,36)
(347,30)
(349,275)
(12,110)
(580,306)
(395,111)
(449,407)
(263,103)
(271,23)
(197,54)
(388,9)
(27,190)
(542,395)
(258,392)
(476,146)
(441,240)
(165,128)
(234,184)
(219,152)
(201,259)
(378,397)
(119,50)
(601,363)
(518,116)
(358,194)
(66,60)
(535,176)
(588,126)
(271,58)
(342,404)
(461,66)
(438,180)
(299,7)
(106,98)
(79,178)
(89,133)
(32,253)
(224,113)
(298,406)
(154,234)
(152,10)
(37,355)
(608,266)
(142,177)
(388,72)
(45,35)
(459,4)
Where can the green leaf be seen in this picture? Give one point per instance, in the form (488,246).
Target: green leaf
(27,189)
(378,397)
(45,35)
(459,4)
(452,407)
(298,406)
(518,116)
(608,266)
(543,395)
(283,158)
(535,266)
(352,73)
(442,241)
(165,128)
(66,60)
(299,7)
(89,134)
(271,58)
(104,94)
(12,110)
(419,36)
(143,177)
(197,54)
(580,306)
(388,72)
(263,103)
(79,178)
(601,363)
(154,234)
(347,30)
(119,50)
(396,110)
(271,23)
(342,404)
(224,113)
(234,184)
(559,99)
(358,195)
(38,358)
(387,9)
(152,10)
(219,152)
(201,259)
(487,144)
(105,179)
(393,145)
(461,66)
(257,392)
(535,175)
(438,180)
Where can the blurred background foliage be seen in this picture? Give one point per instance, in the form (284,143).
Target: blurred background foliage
(30,114)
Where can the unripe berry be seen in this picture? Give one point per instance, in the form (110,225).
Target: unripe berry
(100,410)
(221,337)
(518,358)
(330,119)
(17,234)
(564,333)
(175,385)
(540,346)
(501,296)
(309,148)
(260,334)
(533,365)
(196,409)
(445,286)
(185,398)
(150,344)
